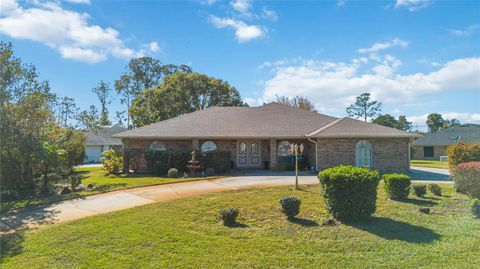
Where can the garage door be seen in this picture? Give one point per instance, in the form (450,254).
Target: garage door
(93,154)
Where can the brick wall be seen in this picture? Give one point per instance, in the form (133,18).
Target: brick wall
(437,152)
(389,155)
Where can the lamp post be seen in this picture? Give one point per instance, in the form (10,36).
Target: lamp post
(296,150)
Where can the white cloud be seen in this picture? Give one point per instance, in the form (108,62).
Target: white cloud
(396,42)
(334,85)
(413,5)
(154,47)
(242,6)
(78,1)
(69,32)
(465,32)
(243,31)
(269,14)
(7,6)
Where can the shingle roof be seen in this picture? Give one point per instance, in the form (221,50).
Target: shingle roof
(269,121)
(103,136)
(468,133)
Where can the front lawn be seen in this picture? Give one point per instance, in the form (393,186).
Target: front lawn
(186,233)
(430,164)
(102,182)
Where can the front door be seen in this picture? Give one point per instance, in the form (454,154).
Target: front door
(248,154)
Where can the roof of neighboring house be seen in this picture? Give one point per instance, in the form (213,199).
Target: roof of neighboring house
(467,133)
(268,121)
(103,136)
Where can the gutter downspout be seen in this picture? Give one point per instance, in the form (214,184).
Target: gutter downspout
(316,151)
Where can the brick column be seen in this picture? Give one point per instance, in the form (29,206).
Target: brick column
(195,143)
(273,153)
(126,164)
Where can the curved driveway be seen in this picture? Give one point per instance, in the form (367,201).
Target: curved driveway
(123,199)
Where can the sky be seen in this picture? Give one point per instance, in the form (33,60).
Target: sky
(415,56)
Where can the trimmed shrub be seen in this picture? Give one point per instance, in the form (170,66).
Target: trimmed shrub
(290,206)
(467,178)
(397,186)
(112,161)
(463,153)
(134,156)
(435,189)
(179,159)
(218,160)
(173,173)
(420,190)
(229,215)
(475,208)
(350,193)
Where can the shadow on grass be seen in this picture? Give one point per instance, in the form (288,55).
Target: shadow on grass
(303,222)
(11,245)
(396,230)
(235,225)
(418,202)
(108,187)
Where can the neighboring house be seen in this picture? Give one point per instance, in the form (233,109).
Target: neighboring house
(432,146)
(101,140)
(258,137)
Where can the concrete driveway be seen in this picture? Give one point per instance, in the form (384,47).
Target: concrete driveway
(123,199)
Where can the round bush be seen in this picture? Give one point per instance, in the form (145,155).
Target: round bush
(420,190)
(173,173)
(396,186)
(229,215)
(290,206)
(350,193)
(435,189)
(476,208)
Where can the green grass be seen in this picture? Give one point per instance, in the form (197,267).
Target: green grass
(103,183)
(186,233)
(430,164)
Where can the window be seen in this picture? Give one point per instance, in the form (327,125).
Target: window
(158,146)
(254,148)
(284,149)
(243,148)
(208,146)
(428,152)
(363,154)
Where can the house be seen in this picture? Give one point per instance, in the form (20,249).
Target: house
(259,137)
(432,146)
(100,140)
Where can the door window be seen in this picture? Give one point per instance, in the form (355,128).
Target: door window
(243,148)
(254,148)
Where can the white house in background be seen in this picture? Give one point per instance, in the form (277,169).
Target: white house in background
(101,140)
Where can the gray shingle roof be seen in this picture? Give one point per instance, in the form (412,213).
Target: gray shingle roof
(468,133)
(103,136)
(268,121)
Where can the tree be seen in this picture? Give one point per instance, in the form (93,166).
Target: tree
(103,93)
(388,120)
(179,94)
(67,110)
(297,101)
(143,73)
(451,123)
(435,122)
(364,107)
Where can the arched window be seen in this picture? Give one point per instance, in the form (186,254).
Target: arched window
(208,146)
(363,154)
(284,149)
(158,146)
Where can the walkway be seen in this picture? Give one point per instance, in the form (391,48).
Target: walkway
(123,199)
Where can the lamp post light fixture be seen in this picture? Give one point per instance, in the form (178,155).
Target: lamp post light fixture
(296,150)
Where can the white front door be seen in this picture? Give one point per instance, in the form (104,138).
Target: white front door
(248,154)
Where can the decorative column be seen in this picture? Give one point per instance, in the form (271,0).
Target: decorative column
(195,145)
(126,164)
(273,153)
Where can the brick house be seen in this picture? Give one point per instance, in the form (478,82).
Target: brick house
(260,138)
(432,146)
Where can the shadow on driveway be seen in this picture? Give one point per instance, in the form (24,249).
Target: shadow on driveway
(429,174)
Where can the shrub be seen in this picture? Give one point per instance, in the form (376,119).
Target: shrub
(350,193)
(218,160)
(467,178)
(463,153)
(112,161)
(173,173)
(475,207)
(229,215)
(157,162)
(290,206)
(396,186)
(435,189)
(420,190)
(134,156)
(179,159)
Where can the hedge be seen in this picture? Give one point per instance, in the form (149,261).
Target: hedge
(463,153)
(467,178)
(397,186)
(350,193)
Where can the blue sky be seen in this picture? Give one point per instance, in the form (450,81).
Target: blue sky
(415,56)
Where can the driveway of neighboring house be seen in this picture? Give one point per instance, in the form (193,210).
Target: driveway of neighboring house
(123,199)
